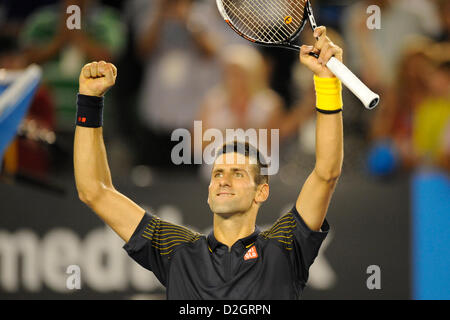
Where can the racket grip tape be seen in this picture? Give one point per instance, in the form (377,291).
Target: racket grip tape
(368,98)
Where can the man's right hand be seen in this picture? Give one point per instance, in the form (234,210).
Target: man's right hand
(96,78)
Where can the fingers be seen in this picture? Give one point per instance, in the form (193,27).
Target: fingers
(90,70)
(110,73)
(322,44)
(99,69)
(320,32)
(94,69)
(96,78)
(305,53)
(114,69)
(101,65)
(325,46)
(86,72)
(306,50)
(307,59)
(330,50)
(326,53)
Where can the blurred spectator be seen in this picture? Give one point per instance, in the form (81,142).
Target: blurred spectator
(280,61)
(14,13)
(243,99)
(431,120)
(217,28)
(426,11)
(444,14)
(375,53)
(29,154)
(99,38)
(416,111)
(62,52)
(179,66)
(393,119)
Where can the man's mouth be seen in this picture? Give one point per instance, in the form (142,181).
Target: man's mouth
(225,194)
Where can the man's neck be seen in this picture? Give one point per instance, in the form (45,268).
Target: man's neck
(228,230)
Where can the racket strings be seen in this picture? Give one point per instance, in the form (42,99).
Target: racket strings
(260,29)
(269,21)
(268,15)
(243,22)
(254,26)
(279,24)
(282,30)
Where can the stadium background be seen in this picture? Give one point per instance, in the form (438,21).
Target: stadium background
(391,206)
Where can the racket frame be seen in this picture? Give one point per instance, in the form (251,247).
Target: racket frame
(367,97)
(287,43)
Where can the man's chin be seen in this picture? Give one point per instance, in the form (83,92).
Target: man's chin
(224,211)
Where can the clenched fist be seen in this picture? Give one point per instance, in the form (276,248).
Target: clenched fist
(96,78)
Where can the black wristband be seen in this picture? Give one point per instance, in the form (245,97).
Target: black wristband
(328,111)
(89,111)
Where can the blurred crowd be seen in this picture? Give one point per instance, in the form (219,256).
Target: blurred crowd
(179,62)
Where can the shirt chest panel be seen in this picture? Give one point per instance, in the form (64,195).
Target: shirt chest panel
(262,272)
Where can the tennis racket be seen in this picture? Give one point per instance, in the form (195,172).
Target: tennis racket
(278,23)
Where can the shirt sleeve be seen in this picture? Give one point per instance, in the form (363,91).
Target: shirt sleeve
(154,241)
(301,243)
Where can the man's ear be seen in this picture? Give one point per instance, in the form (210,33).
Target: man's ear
(262,193)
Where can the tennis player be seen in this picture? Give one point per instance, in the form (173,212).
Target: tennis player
(236,260)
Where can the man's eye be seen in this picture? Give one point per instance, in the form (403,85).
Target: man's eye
(217,175)
(238,174)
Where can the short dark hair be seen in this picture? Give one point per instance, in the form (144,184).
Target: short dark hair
(249,151)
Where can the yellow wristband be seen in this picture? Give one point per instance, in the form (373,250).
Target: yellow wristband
(328,94)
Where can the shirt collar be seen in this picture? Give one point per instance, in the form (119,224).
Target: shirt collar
(213,243)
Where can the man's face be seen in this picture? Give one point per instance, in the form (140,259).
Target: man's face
(232,188)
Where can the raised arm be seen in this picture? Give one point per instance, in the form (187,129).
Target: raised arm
(314,199)
(92,174)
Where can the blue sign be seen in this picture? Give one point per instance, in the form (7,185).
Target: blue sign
(431,235)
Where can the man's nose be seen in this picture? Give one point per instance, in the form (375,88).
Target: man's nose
(224,181)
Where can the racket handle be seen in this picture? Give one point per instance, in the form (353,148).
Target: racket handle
(359,89)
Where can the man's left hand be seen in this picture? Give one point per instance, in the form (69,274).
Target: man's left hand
(325,48)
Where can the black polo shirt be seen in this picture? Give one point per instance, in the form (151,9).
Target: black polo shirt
(271,264)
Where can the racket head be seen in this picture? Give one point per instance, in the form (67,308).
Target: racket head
(268,23)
